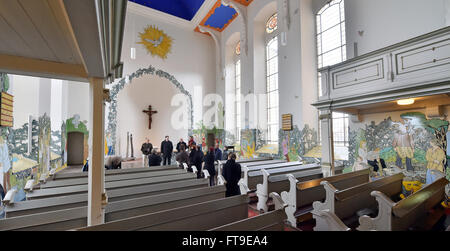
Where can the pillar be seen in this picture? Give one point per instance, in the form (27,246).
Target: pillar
(326,122)
(96,193)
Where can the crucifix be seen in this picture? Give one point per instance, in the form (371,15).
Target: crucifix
(150,113)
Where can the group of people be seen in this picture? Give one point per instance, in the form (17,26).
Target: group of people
(191,154)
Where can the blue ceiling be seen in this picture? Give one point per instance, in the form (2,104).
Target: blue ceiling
(185,9)
(220,18)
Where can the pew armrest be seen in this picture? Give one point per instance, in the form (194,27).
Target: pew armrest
(52,172)
(245,169)
(328,204)
(290,198)
(43,178)
(185,166)
(9,197)
(29,186)
(194,169)
(243,187)
(221,180)
(328,221)
(383,221)
(206,173)
(278,201)
(262,191)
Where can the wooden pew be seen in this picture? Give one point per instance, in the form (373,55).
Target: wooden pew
(60,176)
(79,200)
(252,178)
(220,163)
(272,221)
(262,163)
(411,211)
(109,186)
(246,169)
(196,217)
(72,218)
(280,183)
(346,203)
(301,195)
(110,178)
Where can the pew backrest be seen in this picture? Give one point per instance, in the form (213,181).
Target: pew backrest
(345,203)
(109,186)
(312,190)
(77,217)
(196,217)
(110,178)
(58,175)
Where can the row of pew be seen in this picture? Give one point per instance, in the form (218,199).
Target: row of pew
(162,198)
(353,201)
(169,198)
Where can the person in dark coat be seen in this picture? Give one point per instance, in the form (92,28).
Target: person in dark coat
(154,159)
(199,161)
(232,174)
(209,165)
(180,144)
(217,153)
(182,157)
(167,150)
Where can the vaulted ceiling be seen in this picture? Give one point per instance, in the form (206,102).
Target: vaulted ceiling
(218,17)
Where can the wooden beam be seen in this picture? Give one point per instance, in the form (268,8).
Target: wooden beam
(96,178)
(42,68)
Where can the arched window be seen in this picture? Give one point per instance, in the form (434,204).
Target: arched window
(331,49)
(272,81)
(238,99)
(331,42)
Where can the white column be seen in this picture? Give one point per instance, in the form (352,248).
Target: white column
(326,120)
(96,153)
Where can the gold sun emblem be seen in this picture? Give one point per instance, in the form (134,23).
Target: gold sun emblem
(156,41)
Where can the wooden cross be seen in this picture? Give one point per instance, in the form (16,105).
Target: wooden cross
(150,113)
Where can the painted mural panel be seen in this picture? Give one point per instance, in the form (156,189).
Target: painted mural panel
(415,145)
(297,143)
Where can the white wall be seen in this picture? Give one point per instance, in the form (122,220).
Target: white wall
(387,22)
(191,60)
(135,98)
(26,98)
(78,100)
(58,99)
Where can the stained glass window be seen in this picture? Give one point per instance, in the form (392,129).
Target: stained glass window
(272,24)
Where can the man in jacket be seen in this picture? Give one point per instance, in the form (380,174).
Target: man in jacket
(180,144)
(146,149)
(166,150)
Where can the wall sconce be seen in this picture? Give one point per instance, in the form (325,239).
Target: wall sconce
(409,101)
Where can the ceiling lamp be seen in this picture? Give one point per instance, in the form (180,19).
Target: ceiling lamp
(409,101)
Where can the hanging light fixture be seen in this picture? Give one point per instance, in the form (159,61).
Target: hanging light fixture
(409,101)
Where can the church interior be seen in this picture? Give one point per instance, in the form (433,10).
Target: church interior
(225,115)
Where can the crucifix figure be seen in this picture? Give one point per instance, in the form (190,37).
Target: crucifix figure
(150,113)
